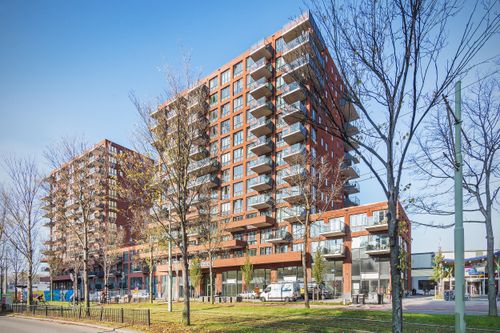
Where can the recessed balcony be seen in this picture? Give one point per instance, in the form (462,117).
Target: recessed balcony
(261,69)
(294,173)
(262,201)
(294,133)
(263,145)
(378,248)
(261,108)
(292,195)
(261,221)
(279,236)
(261,165)
(293,153)
(204,166)
(333,252)
(261,88)
(262,126)
(332,230)
(261,50)
(293,92)
(294,113)
(261,183)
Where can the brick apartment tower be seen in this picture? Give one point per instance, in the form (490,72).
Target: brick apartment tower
(98,169)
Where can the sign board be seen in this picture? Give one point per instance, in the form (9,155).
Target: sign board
(231,281)
(369,276)
(290,278)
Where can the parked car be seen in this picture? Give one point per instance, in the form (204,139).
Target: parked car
(248,295)
(288,291)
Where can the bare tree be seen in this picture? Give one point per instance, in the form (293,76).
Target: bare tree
(21,202)
(79,198)
(388,63)
(17,265)
(317,186)
(56,265)
(177,130)
(435,164)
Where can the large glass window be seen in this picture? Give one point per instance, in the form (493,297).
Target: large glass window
(238,87)
(213,83)
(224,78)
(238,138)
(214,99)
(226,158)
(225,143)
(225,110)
(238,69)
(225,127)
(238,172)
(238,103)
(214,115)
(237,121)
(224,94)
(237,155)
(238,189)
(358,222)
(238,206)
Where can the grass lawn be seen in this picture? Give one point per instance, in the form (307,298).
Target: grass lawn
(276,317)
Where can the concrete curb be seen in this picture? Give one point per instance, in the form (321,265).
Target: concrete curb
(67,322)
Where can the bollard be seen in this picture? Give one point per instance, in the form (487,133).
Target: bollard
(121,315)
(149,317)
(46,311)
(231,299)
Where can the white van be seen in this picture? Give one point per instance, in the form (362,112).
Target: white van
(287,291)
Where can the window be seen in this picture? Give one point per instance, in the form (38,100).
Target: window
(279,158)
(238,87)
(213,83)
(280,82)
(297,231)
(250,117)
(224,78)
(238,69)
(249,63)
(237,155)
(249,170)
(238,206)
(237,103)
(225,127)
(224,94)
(225,208)
(379,216)
(280,62)
(225,143)
(214,148)
(357,222)
(280,44)
(226,109)
(213,131)
(238,189)
(237,121)
(249,81)
(251,238)
(214,115)
(249,99)
(266,250)
(238,138)
(313,134)
(238,172)
(225,191)
(226,158)
(226,176)
(279,176)
(214,99)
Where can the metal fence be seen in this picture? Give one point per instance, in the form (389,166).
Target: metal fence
(114,315)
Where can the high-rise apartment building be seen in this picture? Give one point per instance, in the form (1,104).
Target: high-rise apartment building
(83,209)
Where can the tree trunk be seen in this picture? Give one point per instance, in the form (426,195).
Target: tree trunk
(86,269)
(490,266)
(396,290)
(15,287)
(304,260)
(151,284)
(170,278)
(211,278)
(186,311)
(75,288)
(30,282)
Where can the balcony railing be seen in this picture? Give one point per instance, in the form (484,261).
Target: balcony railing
(351,187)
(262,145)
(262,126)
(292,154)
(294,173)
(333,251)
(292,194)
(204,166)
(262,201)
(293,92)
(375,224)
(208,180)
(332,229)
(295,213)
(261,107)
(349,170)
(294,112)
(261,88)
(262,164)
(294,133)
(261,183)
(351,201)
(261,68)
(279,236)
(379,246)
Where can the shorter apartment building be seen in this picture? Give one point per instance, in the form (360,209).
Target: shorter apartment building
(353,241)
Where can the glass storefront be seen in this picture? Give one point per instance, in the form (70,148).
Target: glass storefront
(370,274)
(231,283)
(261,278)
(292,273)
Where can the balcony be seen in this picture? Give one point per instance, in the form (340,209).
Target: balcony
(351,201)
(294,133)
(293,92)
(261,183)
(261,108)
(197,153)
(261,50)
(294,113)
(233,244)
(297,27)
(204,166)
(292,195)
(351,145)
(293,153)
(261,69)
(253,223)
(262,126)
(351,187)
(207,181)
(261,88)
(262,201)
(378,247)
(197,105)
(200,199)
(351,129)
(294,214)
(294,173)
(303,68)
(349,170)
(200,137)
(350,158)
(333,252)
(377,225)
(261,165)
(263,145)
(332,230)
(348,110)
(279,236)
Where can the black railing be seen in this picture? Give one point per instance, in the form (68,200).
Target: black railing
(104,314)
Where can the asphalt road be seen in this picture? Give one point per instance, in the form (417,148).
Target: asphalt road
(22,325)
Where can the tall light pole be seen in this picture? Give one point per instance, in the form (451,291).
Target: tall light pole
(459,227)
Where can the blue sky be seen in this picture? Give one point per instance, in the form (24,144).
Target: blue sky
(67,67)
